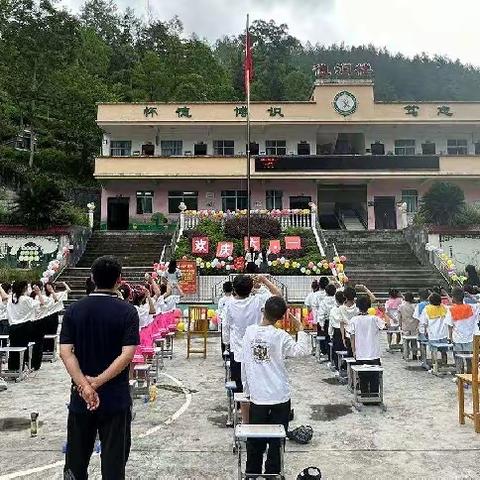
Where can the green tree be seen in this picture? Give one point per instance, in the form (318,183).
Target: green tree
(442,204)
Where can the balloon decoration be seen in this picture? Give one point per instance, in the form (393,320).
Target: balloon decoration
(447,263)
(180,327)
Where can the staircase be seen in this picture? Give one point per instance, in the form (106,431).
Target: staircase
(136,251)
(351,221)
(382,259)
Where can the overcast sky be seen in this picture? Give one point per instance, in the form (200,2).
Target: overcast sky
(407,26)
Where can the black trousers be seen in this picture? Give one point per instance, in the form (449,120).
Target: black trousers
(4,327)
(236,373)
(20,335)
(114,431)
(369,381)
(278,414)
(338,346)
(50,327)
(323,332)
(36,335)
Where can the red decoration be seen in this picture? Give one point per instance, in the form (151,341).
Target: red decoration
(188,282)
(224,249)
(239,264)
(275,246)
(293,243)
(200,245)
(255,242)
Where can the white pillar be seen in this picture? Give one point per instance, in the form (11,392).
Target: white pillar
(91,209)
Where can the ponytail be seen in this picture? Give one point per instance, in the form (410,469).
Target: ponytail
(18,289)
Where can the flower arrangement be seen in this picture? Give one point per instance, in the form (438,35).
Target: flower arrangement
(219,214)
(54,265)
(446,263)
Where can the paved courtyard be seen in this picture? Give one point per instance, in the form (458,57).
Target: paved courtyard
(183,435)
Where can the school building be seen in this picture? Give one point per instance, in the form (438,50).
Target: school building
(357,158)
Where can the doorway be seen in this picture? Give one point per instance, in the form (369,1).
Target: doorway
(118,213)
(385,213)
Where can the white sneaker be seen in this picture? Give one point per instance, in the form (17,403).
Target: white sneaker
(3,385)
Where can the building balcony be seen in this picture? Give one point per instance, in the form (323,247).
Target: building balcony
(289,166)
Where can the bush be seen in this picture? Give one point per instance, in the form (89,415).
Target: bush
(264,227)
(9,275)
(469,215)
(442,204)
(158,219)
(74,215)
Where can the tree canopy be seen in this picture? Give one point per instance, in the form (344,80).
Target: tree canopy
(56,66)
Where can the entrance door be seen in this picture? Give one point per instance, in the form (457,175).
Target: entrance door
(118,213)
(300,202)
(385,213)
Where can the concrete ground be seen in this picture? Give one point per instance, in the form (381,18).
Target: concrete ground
(418,437)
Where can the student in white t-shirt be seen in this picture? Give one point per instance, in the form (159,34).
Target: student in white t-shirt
(222,306)
(242,311)
(462,322)
(334,330)
(143,302)
(265,380)
(365,337)
(173,275)
(323,306)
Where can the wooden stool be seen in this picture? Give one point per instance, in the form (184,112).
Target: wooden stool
(21,373)
(358,398)
(341,354)
(330,354)
(350,361)
(397,347)
(437,368)
(230,387)
(142,376)
(407,351)
(157,365)
(423,354)
(169,341)
(244,432)
(313,336)
(197,328)
(464,357)
(238,399)
(51,356)
(318,340)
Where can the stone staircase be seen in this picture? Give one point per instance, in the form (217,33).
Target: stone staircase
(136,251)
(382,259)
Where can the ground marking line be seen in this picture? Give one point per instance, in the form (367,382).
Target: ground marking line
(180,411)
(22,473)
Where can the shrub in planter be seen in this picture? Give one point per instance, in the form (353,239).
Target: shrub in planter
(158,219)
(263,227)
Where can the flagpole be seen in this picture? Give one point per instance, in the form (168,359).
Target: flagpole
(247,84)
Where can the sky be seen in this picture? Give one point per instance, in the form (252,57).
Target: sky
(406,26)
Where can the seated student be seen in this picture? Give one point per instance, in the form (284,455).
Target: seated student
(265,380)
(432,322)
(392,313)
(409,324)
(222,305)
(5,292)
(242,311)
(323,308)
(334,327)
(462,321)
(365,337)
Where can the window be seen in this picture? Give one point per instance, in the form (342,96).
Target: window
(276,147)
(223,147)
(254,148)
(377,148)
(175,198)
(148,149)
(234,200)
(120,148)
(404,147)
(477,148)
(303,148)
(200,149)
(428,148)
(171,147)
(274,200)
(457,147)
(144,202)
(300,202)
(410,197)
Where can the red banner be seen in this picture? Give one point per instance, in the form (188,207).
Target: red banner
(293,243)
(255,242)
(224,249)
(200,245)
(275,246)
(188,282)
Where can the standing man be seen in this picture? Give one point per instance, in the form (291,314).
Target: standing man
(97,343)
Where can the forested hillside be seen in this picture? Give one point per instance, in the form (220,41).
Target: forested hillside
(54,67)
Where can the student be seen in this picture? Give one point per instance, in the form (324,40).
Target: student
(265,380)
(222,306)
(365,337)
(42,311)
(348,310)
(125,291)
(472,276)
(143,303)
(262,260)
(392,313)
(409,324)
(250,261)
(462,321)
(173,275)
(21,310)
(334,330)
(471,294)
(323,307)
(242,311)
(423,296)
(5,292)
(97,344)
(166,301)
(50,320)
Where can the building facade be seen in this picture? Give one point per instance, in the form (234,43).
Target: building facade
(356,158)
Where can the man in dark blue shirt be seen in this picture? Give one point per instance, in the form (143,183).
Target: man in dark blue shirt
(97,343)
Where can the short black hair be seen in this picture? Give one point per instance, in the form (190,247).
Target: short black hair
(458,294)
(349,293)
(243,285)
(324,281)
(106,271)
(330,290)
(394,293)
(315,285)
(435,299)
(363,303)
(275,308)
(408,296)
(7,287)
(340,297)
(228,287)
(423,294)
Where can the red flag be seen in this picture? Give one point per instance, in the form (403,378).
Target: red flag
(248,64)
(293,243)
(275,246)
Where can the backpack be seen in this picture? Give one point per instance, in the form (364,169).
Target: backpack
(310,473)
(302,434)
